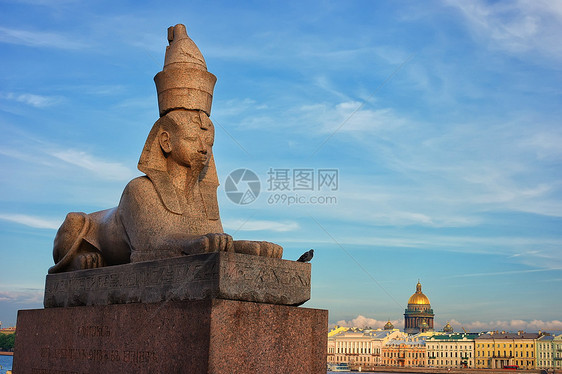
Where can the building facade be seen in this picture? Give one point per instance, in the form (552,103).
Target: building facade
(8,330)
(557,352)
(418,317)
(405,352)
(359,347)
(497,350)
(451,350)
(545,352)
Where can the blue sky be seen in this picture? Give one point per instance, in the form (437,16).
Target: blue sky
(441,118)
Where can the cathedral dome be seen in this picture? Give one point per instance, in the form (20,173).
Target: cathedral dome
(418,298)
(389,326)
(418,317)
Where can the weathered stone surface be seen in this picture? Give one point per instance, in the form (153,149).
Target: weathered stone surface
(224,275)
(206,336)
(173,209)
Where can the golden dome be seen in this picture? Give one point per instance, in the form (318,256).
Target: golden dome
(418,298)
(389,326)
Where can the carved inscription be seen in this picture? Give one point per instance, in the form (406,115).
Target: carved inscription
(222,275)
(80,354)
(278,277)
(85,354)
(145,276)
(94,331)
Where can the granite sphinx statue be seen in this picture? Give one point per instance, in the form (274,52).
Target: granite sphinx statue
(172,209)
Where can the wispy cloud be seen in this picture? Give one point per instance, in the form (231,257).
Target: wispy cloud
(104,169)
(320,118)
(39,38)
(260,225)
(31,221)
(31,296)
(234,107)
(100,90)
(364,322)
(330,117)
(472,326)
(545,145)
(518,26)
(453,243)
(501,273)
(37,101)
(32,150)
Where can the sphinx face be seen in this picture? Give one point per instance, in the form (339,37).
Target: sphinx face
(192,140)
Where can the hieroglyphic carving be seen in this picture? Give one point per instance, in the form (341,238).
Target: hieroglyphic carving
(220,274)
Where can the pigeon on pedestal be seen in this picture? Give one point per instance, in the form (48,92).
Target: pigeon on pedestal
(306,256)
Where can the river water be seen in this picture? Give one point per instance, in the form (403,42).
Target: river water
(5,363)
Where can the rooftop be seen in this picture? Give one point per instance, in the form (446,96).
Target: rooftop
(457,336)
(509,335)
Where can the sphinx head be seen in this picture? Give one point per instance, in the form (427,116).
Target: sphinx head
(186,138)
(181,137)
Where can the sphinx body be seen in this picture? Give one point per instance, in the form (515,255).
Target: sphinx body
(173,209)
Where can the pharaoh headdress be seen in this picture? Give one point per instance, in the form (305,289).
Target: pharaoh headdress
(183,83)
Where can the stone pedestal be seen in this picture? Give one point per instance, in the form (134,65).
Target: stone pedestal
(208,313)
(204,336)
(222,275)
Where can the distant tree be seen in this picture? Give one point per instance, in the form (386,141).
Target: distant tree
(11,341)
(7,342)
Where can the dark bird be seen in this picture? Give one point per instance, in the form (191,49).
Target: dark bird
(306,256)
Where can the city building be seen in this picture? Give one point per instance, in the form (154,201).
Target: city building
(451,350)
(545,352)
(8,330)
(404,352)
(418,317)
(358,347)
(336,330)
(495,350)
(557,352)
(421,346)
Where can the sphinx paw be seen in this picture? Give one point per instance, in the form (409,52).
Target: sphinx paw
(90,260)
(257,248)
(273,250)
(219,242)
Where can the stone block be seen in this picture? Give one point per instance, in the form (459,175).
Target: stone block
(211,336)
(224,275)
